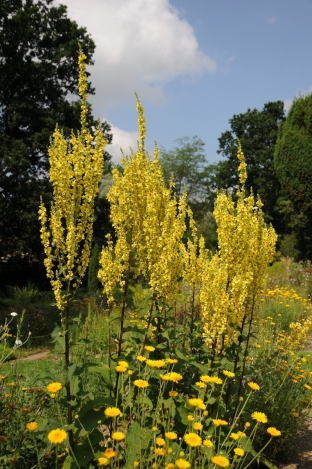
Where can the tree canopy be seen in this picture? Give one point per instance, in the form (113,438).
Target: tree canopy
(186,163)
(293,164)
(38,70)
(257,132)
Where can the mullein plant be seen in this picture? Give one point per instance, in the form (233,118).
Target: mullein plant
(149,224)
(232,279)
(76,166)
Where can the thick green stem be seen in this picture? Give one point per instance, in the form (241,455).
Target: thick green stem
(245,353)
(122,319)
(240,339)
(149,320)
(67,382)
(192,316)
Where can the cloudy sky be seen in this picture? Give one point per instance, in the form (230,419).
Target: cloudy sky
(194,63)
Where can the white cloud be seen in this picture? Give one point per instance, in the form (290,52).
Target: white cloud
(300,92)
(140,45)
(287,103)
(122,139)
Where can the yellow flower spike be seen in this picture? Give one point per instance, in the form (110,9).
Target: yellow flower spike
(149,226)
(235,273)
(76,167)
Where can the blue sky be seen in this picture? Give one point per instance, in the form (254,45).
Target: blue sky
(194,63)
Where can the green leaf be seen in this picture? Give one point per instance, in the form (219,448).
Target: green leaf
(104,371)
(114,318)
(180,355)
(137,440)
(71,371)
(145,401)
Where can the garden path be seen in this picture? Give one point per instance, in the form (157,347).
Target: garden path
(302,445)
(34,356)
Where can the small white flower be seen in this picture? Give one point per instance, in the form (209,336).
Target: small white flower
(13,314)
(18,342)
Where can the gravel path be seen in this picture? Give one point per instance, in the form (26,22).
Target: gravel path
(33,356)
(302,446)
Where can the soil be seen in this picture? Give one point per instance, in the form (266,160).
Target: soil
(34,356)
(302,446)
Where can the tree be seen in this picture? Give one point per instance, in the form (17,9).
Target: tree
(293,164)
(257,132)
(186,162)
(38,57)
(188,165)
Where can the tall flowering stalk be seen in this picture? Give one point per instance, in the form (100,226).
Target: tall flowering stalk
(76,167)
(149,225)
(233,278)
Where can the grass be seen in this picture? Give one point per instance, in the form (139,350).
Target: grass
(280,374)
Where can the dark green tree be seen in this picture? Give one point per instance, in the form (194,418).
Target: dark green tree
(293,164)
(38,69)
(93,269)
(257,132)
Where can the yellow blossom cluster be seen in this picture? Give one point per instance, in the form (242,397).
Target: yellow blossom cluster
(149,225)
(233,278)
(298,331)
(76,167)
